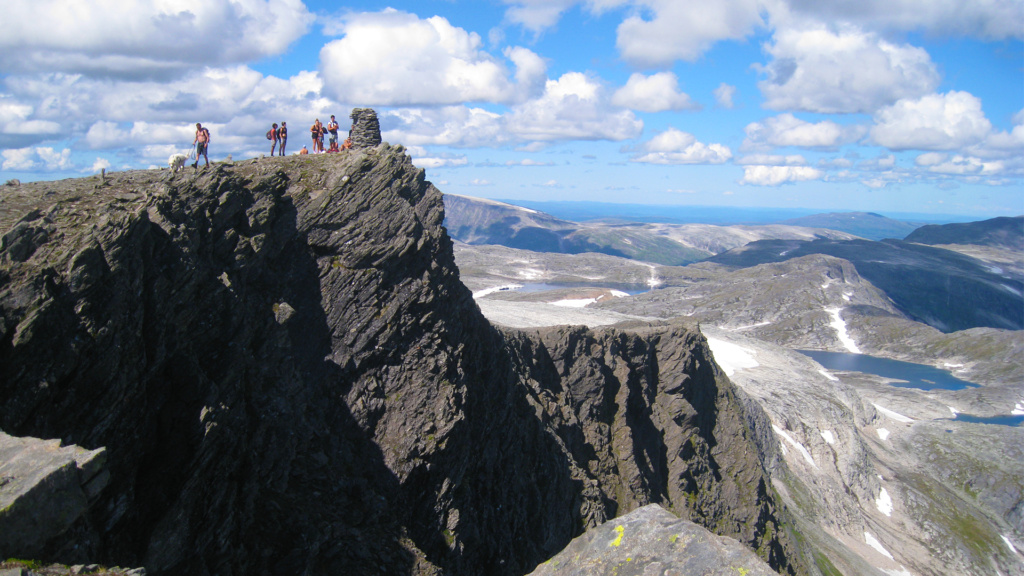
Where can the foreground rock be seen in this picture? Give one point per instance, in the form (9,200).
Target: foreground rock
(44,489)
(290,378)
(652,542)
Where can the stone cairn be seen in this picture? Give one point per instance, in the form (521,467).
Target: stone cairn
(365,128)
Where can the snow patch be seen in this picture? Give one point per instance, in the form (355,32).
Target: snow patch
(1018,409)
(840,327)
(883,434)
(827,435)
(799,447)
(847,296)
(953,410)
(619,294)
(486,291)
(574,302)
(874,543)
(828,375)
(749,326)
(1009,544)
(901,572)
(530,274)
(893,415)
(731,357)
(884,503)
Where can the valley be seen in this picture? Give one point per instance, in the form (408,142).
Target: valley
(882,478)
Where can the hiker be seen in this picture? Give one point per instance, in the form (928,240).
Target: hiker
(272,136)
(282,135)
(303,151)
(202,143)
(317,132)
(332,128)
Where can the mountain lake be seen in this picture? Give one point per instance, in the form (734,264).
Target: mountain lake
(906,374)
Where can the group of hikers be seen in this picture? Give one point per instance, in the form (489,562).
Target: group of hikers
(317,132)
(278,135)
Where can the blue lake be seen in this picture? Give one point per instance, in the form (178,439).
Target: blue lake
(909,375)
(1009,420)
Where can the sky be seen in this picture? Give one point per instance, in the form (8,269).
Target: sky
(890,106)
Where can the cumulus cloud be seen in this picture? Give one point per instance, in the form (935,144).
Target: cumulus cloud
(724,95)
(44,159)
(458,126)
(393,58)
(574,107)
(934,122)
(683,30)
(656,93)
(132,38)
(777,175)
(788,130)
(818,70)
(677,147)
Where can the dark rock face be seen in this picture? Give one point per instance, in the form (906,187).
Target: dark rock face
(652,542)
(289,378)
(365,128)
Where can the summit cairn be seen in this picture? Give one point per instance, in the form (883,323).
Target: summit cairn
(365,128)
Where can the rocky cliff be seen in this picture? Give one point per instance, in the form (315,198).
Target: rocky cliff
(288,377)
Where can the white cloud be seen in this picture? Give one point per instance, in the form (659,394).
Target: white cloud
(36,159)
(818,70)
(573,107)
(988,19)
(394,58)
(677,147)
(99,165)
(934,122)
(656,93)
(771,160)
(724,95)
(536,15)
(128,38)
(446,126)
(683,30)
(776,175)
(788,130)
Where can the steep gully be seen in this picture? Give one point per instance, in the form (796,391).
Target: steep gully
(289,378)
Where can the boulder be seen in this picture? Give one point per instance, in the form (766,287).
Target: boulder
(44,489)
(650,541)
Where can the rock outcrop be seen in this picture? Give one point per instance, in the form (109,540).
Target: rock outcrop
(650,541)
(289,377)
(44,489)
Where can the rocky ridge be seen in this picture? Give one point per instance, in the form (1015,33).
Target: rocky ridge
(288,377)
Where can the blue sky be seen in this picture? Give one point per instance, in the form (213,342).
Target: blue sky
(892,106)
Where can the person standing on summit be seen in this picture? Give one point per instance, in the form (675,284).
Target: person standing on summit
(332,129)
(272,135)
(282,135)
(202,143)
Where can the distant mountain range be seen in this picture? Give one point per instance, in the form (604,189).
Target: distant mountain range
(478,221)
(864,224)
(1002,232)
(943,288)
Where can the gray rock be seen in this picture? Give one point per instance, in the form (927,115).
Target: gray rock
(650,541)
(42,490)
(365,128)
